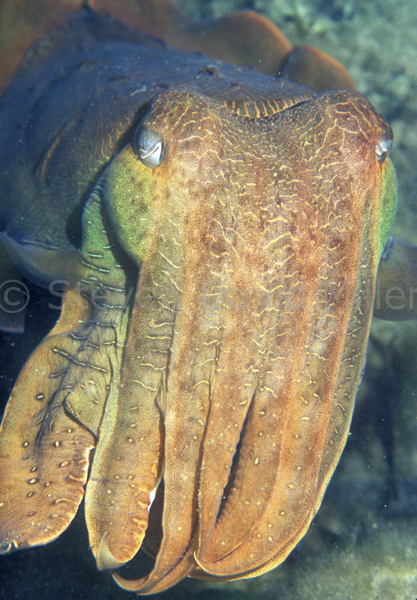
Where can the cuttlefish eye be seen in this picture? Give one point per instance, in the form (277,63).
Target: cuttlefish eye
(384,145)
(149,146)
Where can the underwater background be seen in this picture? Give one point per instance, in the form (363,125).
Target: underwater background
(363,541)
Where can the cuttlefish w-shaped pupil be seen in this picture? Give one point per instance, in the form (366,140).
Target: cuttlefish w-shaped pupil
(384,145)
(149,146)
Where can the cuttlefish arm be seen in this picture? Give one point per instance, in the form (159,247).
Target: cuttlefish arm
(44,455)
(220,241)
(170,358)
(166,371)
(243,38)
(252,536)
(53,417)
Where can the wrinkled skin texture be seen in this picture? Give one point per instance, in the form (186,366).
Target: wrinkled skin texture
(215,291)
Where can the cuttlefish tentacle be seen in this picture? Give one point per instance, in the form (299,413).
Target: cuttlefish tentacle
(46,442)
(304,475)
(206,341)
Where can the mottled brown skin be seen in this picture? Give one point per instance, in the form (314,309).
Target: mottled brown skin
(214,329)
(248,338)
(240,309)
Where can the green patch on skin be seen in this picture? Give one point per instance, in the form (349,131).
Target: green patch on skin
(388,206)
(129,196)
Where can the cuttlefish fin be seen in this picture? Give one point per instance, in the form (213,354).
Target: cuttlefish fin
(395,298)
(44,265)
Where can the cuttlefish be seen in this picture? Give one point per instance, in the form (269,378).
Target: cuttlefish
(217,235)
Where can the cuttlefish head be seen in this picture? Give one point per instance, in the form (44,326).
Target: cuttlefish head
(258,240)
